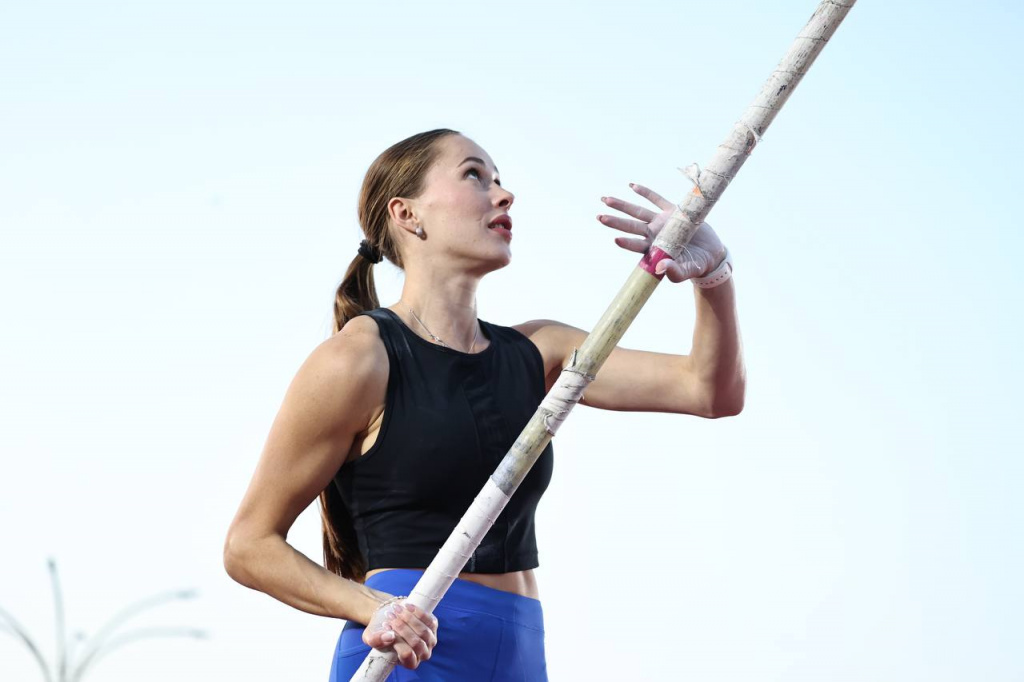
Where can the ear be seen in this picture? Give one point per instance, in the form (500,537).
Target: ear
(402,214)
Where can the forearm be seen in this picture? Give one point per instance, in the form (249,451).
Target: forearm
(717,354)
(274,567)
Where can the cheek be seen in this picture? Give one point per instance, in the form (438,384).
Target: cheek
(460,206)
(464,206)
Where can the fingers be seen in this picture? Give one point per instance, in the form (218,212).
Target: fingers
(410,649)
(652,196)
(409,637)
(380,639)
(626,225)
(415,634)
(675,271)
(638,212)
(406,656)
(408,630)
(422,624)
(691,263)
(634,245)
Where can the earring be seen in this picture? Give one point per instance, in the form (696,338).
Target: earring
(419,232)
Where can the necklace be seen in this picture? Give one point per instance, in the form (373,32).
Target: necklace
(437,339)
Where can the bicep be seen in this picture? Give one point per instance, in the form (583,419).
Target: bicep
(629,380)
(641,381)
(328,403)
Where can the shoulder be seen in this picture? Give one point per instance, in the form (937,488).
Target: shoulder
(357,348)
(547,331)
(360,335)
(347,368)
(555,340)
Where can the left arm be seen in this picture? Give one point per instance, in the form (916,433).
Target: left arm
(709,382)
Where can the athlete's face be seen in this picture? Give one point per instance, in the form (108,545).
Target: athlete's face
(461,200)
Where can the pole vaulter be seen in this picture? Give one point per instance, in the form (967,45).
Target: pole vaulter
(709,185)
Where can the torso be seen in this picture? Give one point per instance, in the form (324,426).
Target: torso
(365,440)
(523,583)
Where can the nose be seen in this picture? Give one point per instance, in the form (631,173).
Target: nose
(503,198)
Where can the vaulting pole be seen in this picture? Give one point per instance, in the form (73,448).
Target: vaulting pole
(709,185)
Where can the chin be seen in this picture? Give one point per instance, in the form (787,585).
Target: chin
(499,263)
(495,262)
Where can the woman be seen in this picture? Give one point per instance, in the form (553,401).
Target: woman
(396,421)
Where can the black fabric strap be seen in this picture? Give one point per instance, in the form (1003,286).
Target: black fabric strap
(369,252)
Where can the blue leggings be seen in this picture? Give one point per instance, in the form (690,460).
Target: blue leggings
(483,635)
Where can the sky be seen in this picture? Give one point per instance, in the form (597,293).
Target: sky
(178,185)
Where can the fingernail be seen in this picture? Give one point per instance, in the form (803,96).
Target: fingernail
(632,185)
(387,637)
(660,268)
(410,608)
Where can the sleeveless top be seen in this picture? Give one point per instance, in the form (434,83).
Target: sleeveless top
(449,419)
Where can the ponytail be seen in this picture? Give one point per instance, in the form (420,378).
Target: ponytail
(356,293)
(341,549)
(398,172)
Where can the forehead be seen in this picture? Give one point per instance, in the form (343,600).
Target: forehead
(456,148)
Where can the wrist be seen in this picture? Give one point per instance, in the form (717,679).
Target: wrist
(370,602)
(719,275)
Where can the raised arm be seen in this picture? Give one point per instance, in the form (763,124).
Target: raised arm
(710,381)
(336,394)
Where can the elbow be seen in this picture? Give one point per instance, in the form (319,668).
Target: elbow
(230,557)
(727,403)
(730,409)
(235,560)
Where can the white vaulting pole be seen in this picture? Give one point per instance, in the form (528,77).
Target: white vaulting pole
(709,185)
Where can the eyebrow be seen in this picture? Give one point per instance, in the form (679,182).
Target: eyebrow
(478,160)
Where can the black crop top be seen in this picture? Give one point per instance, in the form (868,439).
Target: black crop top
(449,419)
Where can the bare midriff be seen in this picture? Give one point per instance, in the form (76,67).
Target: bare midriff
(523,583)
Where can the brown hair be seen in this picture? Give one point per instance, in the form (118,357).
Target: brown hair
(398,172)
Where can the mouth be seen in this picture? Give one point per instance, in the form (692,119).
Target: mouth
(502,225)
(502,221)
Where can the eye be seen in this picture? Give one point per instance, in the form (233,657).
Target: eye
(478,174)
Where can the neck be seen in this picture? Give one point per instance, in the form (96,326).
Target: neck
(445,302)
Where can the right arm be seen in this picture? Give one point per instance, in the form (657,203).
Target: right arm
(335,395)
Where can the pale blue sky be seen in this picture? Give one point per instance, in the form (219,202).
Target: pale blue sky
(177,203)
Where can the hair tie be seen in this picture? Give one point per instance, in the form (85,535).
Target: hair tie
(369,252)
